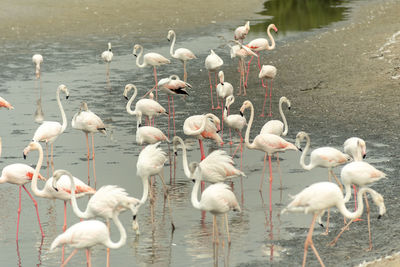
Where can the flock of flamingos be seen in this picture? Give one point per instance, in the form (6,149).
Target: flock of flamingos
(217,198)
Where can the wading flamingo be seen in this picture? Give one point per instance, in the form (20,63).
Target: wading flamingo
(107,58)
(320,196)
(267,72)
(37,59)
(148,134)
(150,59)
(63,191)
(182,54)
(86,234)
(151,162)
(325,157)
(260,44)
(362,174)
(48,131)
(147,107)
(5,104)
(241,32)
(102,203)
(213,63)
(224,89)
(268,143)
(218,199)
(88,122)
(356,148)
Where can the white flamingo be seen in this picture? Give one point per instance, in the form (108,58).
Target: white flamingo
(213,63)
(241,32)
(107,58)
(37,59)
(267,72)
(148,134)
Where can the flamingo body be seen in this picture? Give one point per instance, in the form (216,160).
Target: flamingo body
(267,72)
(87,121)
(174,86)
(218,199)
(194,123)
(356,148)
(149,135)
(107,55)
(241,32)
(18,174)
(4,104)
(37,59)
(213,62)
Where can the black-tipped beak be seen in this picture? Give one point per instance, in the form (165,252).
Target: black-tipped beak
(134,217)
(176,153)
(299,148)
(218,131)
(364,156)
(241,113)
(168,39)
(380,216)
(126,97)
(67,97)
(55,188)
(24,155)
(193,180)
(322,225)
(222,83)
(135,55)
(288,107)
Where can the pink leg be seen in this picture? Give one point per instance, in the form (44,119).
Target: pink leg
(88,158)
(36,207)
(169,115)
(64,228)
(203,156)
(259,56)
(216,94)
(270,182)
(69,257)
(211,94)
(263,173)
(241,153)
(222,116)
(52,161)
(248,70)
(173,114)
(19,211)
(155,78)
(270,101)
(265,98)
(47,158)
(94,165)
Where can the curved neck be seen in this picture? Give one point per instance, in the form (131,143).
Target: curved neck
(128,105)
(352,215)
(138,58)
(145,181)
(303,155)
(195,190)
(122,232)
(285,131)
(202,127)
(247,136)
(64,118)
(184,157)
(272,46)
(348,193)
(74,204)
(171,49)
(35,189)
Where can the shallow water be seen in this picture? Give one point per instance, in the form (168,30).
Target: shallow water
(259,236)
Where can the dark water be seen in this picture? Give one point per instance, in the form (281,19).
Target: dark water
(259,237)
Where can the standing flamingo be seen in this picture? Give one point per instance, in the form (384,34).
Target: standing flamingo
(37,59)
(5,104)
(320,196)
(86,234)
(152,59)
(218,199)
(173,86)
(151,162)
(224,89)
(362,174)
(182,54)
(20,174)
(107,58)
(147,107)
(269,143)
(200,127)
(267,72)
(148,134)
(356,148)
(260,44)
(63,190)
(48,131)
(213,63)
(102,203)
(88,122)
(241,32)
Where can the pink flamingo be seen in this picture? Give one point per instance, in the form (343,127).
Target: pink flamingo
(20,174)
(147,107)
(241,32)
(37,59)
(224,89)
(182,54)
(267,72)
(63,190)
(107,58)
(200,127)
(5,104)
(213,63)
(173,86)
(362,174)
(260,44)
(325,157)
(148,134)
(102,203)
(320,196)
(152,59)
(48,131)
(356,148)
(88,122)
(269,143)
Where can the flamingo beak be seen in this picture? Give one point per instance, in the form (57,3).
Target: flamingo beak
(126,97)
(67,97)
(289,108)
(55,188)
(24,155)
(364,156)
(380,216)
(241,113)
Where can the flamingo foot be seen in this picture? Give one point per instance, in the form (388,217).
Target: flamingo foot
(244,94)
(262,115)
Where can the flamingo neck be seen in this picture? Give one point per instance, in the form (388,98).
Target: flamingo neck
(171,49)
(129,104)
(285,131)
(74,204)
(34,187)
(303,155)
(64,117)
(250,123)
(272,46)
(184,158)
(195,190)
(145,181)
(138,59)
(348,193)
(109,243)
(352,215)
(202,127)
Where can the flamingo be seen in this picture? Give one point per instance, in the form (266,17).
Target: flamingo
(48,131)
(325,157)
(148,134)
(260,44)
(102,203)
(4,104)
(356,148)
(37,59)
(213,63)
(182,54)
(200,127)
(320,196)
(86,234)
(217,167)
(147,107)
(173,86)
(151,162)
(218,199)
(63,190)
(152,59)
(269,143)
(362,174)
(107,58)
(20,174)
(241,32)
(267,72)
(88,122)
(224,89)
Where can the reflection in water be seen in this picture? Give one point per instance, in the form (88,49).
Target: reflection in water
(301,15)
(39,115)
(19,260)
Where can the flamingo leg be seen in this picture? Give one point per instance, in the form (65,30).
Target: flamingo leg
(263,173)
(369,223)
(240,78)
(270,99)
(36,207)
(47,159)
(19,211)
(310,243)
(169,203)
(222,128)
(265,98)
(248,70)
(241,149)
(173,114)
(211,94)
(94,164)
(259,60)
(227,228)
(64,228)
(169,115)
(203,156)
(52,161)
(155,78)
(184,71)
(334,241)
(270,182)
(89,264)
(88,157)
(243,71)
(337,180)
(216,230)
(69,257)
(216,93)
(108,249)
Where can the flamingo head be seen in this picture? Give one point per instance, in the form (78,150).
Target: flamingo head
(273,27)
(216,122)
(286,100)
(109,47)
(128,87)
(229,101)
(135,48)
(64,88)
(170,33)
(246,104)
(379,201)
(57,175)
(84,106)
(221,77)
(32,146)
(247,26)
(299,137)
